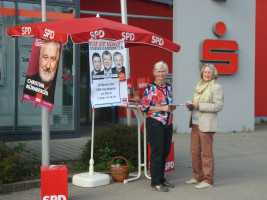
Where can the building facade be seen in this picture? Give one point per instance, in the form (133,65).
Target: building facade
(239,88)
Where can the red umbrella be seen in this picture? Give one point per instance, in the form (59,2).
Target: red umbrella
(83,29)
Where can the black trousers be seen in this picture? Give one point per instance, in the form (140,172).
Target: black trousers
(160,139)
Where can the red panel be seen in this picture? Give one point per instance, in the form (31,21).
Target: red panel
(260,59)
(137,7)
(54,182)
(36,14)
(170,163)
(7,11)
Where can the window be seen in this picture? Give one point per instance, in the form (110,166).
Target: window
(7,71)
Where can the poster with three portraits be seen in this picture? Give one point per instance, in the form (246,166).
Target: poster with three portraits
(107,73)
(40,81)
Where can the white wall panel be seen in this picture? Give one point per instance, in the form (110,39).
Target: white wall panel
(193,21)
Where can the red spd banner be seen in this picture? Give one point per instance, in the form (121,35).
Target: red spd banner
(129,83)
(170,163)
(142,83)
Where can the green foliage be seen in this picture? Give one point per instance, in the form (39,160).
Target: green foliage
(13,168)
(116,140)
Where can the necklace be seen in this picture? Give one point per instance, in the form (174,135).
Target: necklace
(161,85)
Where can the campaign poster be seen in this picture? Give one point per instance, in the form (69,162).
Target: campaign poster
(40,82)
(107,73)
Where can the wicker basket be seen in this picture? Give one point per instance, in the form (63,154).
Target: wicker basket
(119,174)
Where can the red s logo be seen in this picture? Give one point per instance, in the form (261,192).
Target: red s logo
(221,53)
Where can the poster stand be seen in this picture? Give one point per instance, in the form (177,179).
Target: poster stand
(91,179)
(140,120)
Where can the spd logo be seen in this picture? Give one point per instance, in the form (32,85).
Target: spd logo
(169,166)
(49,33)
(55,197)
(128,36)
(142,85)
(97,34)
(157,40)
(38,97)
(26,30)
(222,53)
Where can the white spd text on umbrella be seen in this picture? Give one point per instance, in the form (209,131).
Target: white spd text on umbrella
(97,34)
(26,30)
(49,33)
(157,40)
(128,36)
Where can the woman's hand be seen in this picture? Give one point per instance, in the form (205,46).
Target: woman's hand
(166,108)
(173,107)
(190,106)
(196,106)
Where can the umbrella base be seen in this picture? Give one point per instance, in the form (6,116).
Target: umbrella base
(86,180)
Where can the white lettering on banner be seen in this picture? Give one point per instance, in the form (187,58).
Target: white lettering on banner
(169,165)
(129,86)
(128,36)
(26,30)
(55,197)
(97,34)
(142,85)
(157,40)
(49,33)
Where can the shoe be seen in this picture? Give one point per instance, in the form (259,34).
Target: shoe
(192,181)
(203,184)
(167,184)
(159,188)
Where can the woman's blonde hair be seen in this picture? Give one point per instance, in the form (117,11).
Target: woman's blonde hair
(160,64)
(213,70)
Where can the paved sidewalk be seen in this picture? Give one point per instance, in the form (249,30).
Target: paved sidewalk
(240,172)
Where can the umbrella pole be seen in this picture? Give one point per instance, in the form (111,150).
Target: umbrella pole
(45,137)
(45,117)
(91,163)
(91,179)
(125,21)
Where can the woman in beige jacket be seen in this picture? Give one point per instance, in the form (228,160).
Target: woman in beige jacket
(207,102)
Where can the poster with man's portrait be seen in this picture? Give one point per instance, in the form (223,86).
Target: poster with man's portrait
(40,82)
(107,73)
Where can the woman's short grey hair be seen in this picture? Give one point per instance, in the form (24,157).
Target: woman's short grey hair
(213,71)
(160,64)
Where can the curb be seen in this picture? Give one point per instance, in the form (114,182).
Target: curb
(23,185)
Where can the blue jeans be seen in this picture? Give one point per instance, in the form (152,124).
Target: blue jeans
(160,139)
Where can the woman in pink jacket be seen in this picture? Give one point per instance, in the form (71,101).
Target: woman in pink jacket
(207,102)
